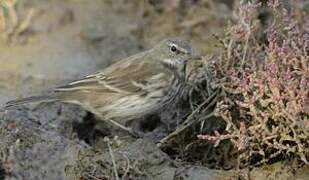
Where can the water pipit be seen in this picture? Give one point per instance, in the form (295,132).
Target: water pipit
(129,89)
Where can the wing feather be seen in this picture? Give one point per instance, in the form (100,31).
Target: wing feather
(124,77)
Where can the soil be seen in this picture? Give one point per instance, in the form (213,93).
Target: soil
(68,39)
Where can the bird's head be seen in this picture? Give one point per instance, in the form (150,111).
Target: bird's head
(173,54)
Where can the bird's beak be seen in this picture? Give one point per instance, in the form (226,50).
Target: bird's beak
(196,57)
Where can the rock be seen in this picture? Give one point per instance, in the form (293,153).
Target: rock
(201,173)
(32,145)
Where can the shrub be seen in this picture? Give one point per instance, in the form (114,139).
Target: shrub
(262,73)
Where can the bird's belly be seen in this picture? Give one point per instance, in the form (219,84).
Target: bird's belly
(131,107)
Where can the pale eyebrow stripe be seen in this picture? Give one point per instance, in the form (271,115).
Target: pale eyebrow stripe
(179,48)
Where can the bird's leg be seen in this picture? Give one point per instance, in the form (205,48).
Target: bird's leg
(136,128)
(116,124)
(128,129)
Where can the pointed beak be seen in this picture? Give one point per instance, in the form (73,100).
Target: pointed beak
(196,57)
(192,58)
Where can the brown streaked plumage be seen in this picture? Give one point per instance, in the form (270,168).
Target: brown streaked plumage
(130,88)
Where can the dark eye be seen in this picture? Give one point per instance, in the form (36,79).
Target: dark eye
(173,49)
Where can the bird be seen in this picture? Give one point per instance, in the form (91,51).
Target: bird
(130,88)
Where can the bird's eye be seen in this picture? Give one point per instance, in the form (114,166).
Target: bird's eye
(173,49)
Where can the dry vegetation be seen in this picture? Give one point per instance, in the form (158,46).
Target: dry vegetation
(95,165)
(11,24)
(258,88)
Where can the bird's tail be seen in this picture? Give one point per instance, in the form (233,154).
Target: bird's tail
(32,99)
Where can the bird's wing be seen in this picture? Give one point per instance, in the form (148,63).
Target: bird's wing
(125,77)
(133,75)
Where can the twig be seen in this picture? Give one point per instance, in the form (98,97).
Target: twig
(128,167)
(217,138)
(245,48)
(113,159)
(229,54)
(181,129)
(92,176)
(26,22)
(2,20)
(12,12)
(189,120)
(202,119)
(200,106)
